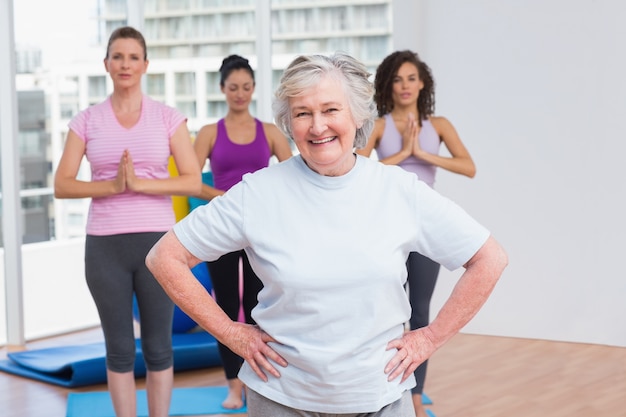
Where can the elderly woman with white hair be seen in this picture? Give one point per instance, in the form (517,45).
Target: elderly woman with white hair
(330,335)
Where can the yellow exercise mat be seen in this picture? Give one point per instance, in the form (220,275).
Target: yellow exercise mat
(180,203)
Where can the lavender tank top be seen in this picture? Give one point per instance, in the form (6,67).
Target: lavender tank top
(230,161)
(391,143)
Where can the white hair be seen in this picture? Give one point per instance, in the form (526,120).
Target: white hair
(306,71)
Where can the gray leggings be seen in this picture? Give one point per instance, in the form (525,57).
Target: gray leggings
(422,279)
(115,269)
(259,406)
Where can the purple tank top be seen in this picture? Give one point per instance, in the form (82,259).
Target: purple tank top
(391,143)
(230,161)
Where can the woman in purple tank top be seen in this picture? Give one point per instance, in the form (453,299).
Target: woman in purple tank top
(236,145)
(407,134)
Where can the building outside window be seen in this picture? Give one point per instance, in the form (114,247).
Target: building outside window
(190,38)
(187,41)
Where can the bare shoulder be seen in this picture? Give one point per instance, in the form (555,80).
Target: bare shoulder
(208,129)
(278,142)
(379,124)
(205,139)
(441,124)
(379,128)
(374,138)
(207,132)
(271,129)
(273,134)
(439,121)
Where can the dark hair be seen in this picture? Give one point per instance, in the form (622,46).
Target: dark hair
(232,63)
(127,32)
(383,82)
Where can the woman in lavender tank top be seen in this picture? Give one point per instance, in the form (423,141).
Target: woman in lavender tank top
(235,145)
(407,134)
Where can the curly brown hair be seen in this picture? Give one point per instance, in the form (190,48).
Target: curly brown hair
(383,82)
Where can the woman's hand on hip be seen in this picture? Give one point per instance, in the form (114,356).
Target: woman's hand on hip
(251,343)
(413,348)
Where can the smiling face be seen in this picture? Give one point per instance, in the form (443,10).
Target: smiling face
(238,89)
(125,63)
(323,128)
(407,85)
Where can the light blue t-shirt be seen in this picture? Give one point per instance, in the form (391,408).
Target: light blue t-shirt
(331,253)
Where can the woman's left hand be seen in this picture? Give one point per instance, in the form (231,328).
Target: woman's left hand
(131,178)
(416,151)
(413,348)
(410,134)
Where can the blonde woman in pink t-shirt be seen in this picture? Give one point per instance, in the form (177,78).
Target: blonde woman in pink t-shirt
(128,140)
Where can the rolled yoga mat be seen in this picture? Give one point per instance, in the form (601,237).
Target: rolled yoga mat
(80,365)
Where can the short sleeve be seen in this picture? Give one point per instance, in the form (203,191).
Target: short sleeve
(79,124)
(173,119)
(214,229)
(448,234)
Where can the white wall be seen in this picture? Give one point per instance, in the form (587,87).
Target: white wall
(56,297)
(537,91)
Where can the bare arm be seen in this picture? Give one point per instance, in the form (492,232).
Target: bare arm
(189,178)
(170,263)
(460,161)
(203,146)
(372,141)
(279,145)
(66,185)
(482,272)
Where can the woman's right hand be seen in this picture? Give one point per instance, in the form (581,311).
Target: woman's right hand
(119,184)
(251,343)
(409,135)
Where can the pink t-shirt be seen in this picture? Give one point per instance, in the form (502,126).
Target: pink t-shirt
(149,145)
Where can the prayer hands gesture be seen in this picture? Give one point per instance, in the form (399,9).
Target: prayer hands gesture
(410,136)
(126,178)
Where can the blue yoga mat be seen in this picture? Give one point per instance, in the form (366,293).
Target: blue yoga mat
(427,401)
(185,402)
(80,365)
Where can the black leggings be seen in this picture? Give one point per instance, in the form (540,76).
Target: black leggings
(422,279)
(115,269)
(225,279)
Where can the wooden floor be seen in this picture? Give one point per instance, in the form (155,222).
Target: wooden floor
(472,376)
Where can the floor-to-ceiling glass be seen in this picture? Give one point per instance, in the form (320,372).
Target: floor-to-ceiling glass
(60,71)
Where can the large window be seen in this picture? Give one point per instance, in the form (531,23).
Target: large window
(60,72)
(155,86)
